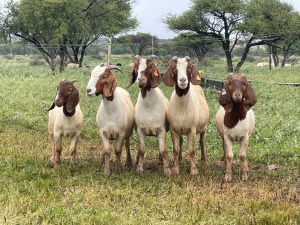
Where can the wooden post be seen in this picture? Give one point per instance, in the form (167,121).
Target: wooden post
(109,50)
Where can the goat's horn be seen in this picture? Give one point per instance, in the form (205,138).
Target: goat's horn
(152,57)
(73,81)
(174,57)
(111,67)
(137,57)
(188,58)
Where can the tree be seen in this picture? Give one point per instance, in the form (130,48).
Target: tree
(55,27)
(139,42)
(258,22)
(192,44)
(212,18)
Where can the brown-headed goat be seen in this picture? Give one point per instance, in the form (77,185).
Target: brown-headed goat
(235,120)
(65,119)
(150,109)
(188,111)
(115,116)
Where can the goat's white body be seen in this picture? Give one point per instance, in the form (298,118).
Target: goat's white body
(60,126)
(115,120)
(241,133)
(188,115)
(151,120)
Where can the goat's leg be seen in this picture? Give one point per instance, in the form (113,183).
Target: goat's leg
(53,147)
(163,152)
(105,154)
(128,162)
(176,150)
(141,151)
(243,161)
(73,146)
(191,145)
(228,158)
(202,142)
(57,149)
(180,149)
(118,152)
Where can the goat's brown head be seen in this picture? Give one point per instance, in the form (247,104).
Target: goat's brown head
(146,72)
(106,84)
(67,95)
(237,90)
(181,72)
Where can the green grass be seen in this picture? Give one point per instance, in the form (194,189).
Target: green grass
(33,192)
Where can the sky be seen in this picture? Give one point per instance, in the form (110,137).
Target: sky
(151,12)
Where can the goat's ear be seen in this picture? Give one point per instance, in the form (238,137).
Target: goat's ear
(249,98)
(225,99)
(109,88)
(72,101)
(168,77)
(156,79)
(133,73)
(195,79)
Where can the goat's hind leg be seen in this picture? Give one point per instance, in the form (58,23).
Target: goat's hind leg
(202,142)
(164,153)
(118,152)
(128,162)
(73,146)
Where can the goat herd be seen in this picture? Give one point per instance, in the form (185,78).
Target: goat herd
(186,113)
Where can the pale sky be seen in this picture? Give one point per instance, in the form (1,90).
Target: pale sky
(150,13)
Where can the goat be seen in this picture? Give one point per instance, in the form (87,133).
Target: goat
(65,119)
(262,64)
(235,120)
(150,110)
(115,116)
(188,111)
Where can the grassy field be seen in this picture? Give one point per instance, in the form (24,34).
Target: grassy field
(33,192)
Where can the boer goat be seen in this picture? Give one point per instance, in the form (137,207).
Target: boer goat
(235,120)
(115,116)
(65,119)
(188,111)
(150,110)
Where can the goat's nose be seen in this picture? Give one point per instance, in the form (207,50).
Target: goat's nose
(140,78)
(183,79)
(88,90)
(237,94)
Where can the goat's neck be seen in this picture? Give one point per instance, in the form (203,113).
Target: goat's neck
(67,113)
(145,89)
(180,92)
(237,113)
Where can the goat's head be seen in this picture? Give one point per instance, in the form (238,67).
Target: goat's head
(106,84)
(97,72)
(67,95)
(145,71)
(181,72)
(237,90)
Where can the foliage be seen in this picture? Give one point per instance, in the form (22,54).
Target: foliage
(36,193)
(139,42)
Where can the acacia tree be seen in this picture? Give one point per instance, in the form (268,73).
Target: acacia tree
(139,42)
(193,44)
(229,21)
(56,26)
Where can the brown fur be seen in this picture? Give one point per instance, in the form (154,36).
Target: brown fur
(106,85)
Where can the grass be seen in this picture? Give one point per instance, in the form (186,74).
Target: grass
(33,192)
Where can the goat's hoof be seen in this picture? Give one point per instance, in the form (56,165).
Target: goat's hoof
(107,173)
(139,170)
(227,178)
(167,172)
(128,164)
(194,171)
(244,177)
(175,170)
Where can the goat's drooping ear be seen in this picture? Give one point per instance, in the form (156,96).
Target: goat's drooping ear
(225,99)
(195,79)
(249,96)
(168,77)
(133,72)
(156,79)
(73,100)
(109,87)
(52,106)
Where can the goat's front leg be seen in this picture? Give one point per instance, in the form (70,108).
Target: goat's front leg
(243,151)
(202,142)
(176,150)
(227,144)
(141,151)
(73,146)
(57,149)
(128,162)
(191,145)
(105,154)
(118,152)
(163,152)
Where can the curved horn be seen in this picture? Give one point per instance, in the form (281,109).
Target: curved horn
(188,58)
(137,57)
(73,81)
(111,67)
(152,57)
(174,58)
